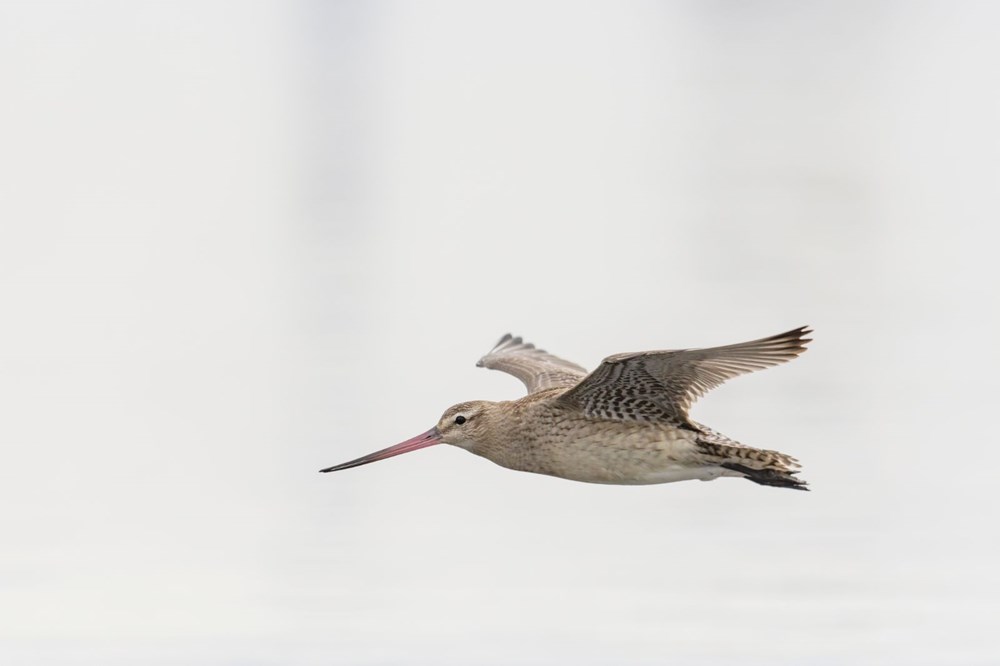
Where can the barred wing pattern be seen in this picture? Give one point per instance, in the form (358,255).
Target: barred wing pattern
(538,369)
(662,385)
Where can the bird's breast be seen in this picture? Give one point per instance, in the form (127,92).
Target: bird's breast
(596,452)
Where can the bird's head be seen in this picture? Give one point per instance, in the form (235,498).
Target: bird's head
(464,424)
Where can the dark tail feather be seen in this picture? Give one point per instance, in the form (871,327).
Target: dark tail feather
(768,477)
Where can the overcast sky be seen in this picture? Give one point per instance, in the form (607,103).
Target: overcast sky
(243,241)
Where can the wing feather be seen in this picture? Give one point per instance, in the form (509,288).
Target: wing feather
(662,385)
(538,369)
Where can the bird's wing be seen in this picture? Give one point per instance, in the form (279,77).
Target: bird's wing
(662,385)
(538,369)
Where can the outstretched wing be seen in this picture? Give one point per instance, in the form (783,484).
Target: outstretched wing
(662,385)
(538,369)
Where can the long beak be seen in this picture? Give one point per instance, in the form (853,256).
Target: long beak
(429,438)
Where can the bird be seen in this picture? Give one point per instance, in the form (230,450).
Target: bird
(625,423)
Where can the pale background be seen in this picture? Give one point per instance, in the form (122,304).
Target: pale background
(245,240)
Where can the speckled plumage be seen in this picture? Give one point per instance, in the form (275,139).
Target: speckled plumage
(625,423)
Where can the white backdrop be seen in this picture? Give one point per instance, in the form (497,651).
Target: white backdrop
(243,241)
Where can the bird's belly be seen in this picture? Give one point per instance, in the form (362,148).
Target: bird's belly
(630,457)
(677,473)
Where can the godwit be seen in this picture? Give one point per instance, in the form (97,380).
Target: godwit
(624,423)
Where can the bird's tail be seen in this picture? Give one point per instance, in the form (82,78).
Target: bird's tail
(768,468)
(769,476)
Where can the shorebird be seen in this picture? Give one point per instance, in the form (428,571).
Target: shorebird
(624,423)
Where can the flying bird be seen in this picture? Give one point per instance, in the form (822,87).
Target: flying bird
(624,423)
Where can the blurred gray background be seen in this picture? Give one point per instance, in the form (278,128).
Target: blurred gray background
(240,241)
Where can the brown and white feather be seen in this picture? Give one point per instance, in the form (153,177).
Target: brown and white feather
(538,369)
(662,385)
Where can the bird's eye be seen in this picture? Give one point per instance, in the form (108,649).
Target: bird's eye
(459,420)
